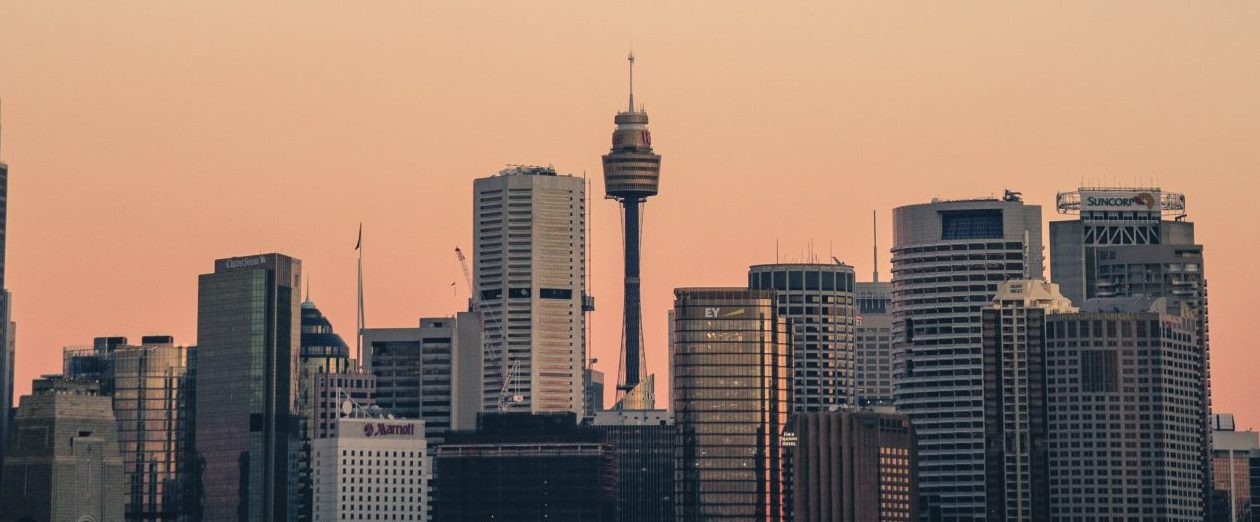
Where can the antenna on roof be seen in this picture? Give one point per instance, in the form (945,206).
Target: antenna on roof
(874,247)
(630,58)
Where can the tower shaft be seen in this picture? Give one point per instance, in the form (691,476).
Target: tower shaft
(632,315)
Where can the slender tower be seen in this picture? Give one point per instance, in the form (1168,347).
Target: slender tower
(632,174)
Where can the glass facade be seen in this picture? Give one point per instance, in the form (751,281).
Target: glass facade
(731,386)
(148,385)
(248,344)
(817,300)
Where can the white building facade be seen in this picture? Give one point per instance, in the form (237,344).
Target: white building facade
(530,266)
(373,469)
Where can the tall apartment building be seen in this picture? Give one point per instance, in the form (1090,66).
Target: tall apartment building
(431,372)
(1016,418)
(817,300)
(64,463)
(948,259)
(873,360)
(1126,408)
(731,388)
(644,444)
(371,469)
(1134,242)
(852,466)
(248,343)
(529,237)
(148,384)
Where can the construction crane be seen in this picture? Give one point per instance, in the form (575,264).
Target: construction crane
(508,371)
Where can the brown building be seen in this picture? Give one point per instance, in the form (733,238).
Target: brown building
(852,466)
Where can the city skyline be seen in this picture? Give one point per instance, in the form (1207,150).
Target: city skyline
(110,166)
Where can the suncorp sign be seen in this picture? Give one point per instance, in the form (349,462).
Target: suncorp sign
(1120,201)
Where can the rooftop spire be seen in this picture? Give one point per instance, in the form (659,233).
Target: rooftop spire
(630,57)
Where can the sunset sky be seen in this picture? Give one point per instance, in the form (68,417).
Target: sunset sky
(146,139)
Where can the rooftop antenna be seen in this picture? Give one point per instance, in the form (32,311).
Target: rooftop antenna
(874,246)
(358,338)
(630,58)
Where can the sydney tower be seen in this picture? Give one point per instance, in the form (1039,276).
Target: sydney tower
(632,173)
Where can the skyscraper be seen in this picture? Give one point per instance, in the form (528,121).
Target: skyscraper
(1135,242)
(64,464)
(1016,430)
(371,469)
(1124,385)
(873,368)
(948,259)
(529,231)
(644,444)
(148,384)
(632,173)
(248,335)
(8,328)
(1235,472)
(852,466)
(817,301)
(731,386)
(431,372)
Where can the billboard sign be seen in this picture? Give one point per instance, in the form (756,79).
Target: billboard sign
(1121,200)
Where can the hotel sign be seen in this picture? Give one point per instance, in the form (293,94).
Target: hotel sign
(381,429)
(1120,200)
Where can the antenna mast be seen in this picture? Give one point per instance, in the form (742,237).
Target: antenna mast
(631,59)
(875,246)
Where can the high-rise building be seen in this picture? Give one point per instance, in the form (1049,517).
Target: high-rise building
(817,300)
(1235,472)
(431,372)
(1126,407)
(148,384)
(632,173)
(852,466)
(8,329)
(64,463)
(371,469)
(731,387)
(644,443)
(1135,242)
(873,368)
(948,259)
(594,392)
(519,467)
(248,344)
(1016,418)
(529,231)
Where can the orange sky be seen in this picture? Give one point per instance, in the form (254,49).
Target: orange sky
(147,138)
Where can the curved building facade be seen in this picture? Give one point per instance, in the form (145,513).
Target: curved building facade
(817,300)
(948,259)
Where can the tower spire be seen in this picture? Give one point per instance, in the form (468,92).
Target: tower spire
(874,246)
(630,58)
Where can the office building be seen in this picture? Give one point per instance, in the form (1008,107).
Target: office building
(948,259)
(1235,472)
(873,368)
(526,467)
(1013,327)
(248,344)
(529,231)
(1135,242)
(8,329)
(148,385)
(731,386)
(817,300)
(371,469)
(852,466)
(643,441)
(431,372)
(594,393)
(1126,407)
(632,173)
(64,463)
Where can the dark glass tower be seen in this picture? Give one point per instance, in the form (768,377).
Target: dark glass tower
(248,321)
(632,173)
(6,326)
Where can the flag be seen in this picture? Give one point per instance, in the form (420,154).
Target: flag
(359,243)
